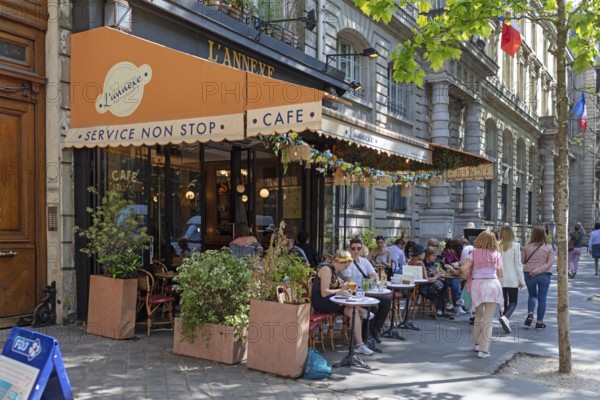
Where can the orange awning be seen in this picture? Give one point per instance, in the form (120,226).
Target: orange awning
(130,91)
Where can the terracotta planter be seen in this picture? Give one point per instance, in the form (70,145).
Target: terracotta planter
(112,307)
(213,342)
(278,337)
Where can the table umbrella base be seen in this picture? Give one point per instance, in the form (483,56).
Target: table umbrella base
(408,325)
(393,333)
(351,361)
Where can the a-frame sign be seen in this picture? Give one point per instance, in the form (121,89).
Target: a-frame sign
(31,367)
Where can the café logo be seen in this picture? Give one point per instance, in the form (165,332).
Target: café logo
(123,89)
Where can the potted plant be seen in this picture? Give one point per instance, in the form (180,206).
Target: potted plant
(117,237)
(215,297)
(278,332)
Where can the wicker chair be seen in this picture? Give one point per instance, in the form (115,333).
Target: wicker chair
(150,297)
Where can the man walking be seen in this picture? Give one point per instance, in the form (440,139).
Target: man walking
(594,245)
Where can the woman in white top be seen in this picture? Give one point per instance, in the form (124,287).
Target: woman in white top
(513,278)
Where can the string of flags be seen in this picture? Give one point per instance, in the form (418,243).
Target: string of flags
(580,111)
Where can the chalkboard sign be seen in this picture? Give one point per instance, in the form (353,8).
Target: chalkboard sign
(31,367)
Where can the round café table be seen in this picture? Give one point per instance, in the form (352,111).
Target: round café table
(352,360)
(393,330)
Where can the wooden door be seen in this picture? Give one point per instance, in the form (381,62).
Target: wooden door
(18,196)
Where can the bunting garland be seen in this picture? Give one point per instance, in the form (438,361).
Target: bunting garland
(293,148)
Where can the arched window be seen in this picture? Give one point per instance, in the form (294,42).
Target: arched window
(350,64)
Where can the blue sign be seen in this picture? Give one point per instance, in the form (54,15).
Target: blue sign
(31,367)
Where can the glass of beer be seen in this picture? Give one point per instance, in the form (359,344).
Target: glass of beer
(352,287)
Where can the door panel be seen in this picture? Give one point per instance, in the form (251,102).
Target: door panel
(17,208)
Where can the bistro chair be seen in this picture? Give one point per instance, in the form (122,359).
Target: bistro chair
(421,307)
(152,299)
(320,318)
(164,285)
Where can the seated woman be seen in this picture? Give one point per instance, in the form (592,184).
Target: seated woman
(245,244)
(451,260)
(327,284)
(381,257)
(429,290)
(437,290)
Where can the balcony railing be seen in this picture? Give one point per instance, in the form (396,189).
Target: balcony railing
(246,16)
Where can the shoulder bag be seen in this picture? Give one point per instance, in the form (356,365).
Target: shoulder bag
(531,255)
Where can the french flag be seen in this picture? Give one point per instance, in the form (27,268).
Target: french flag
(511,35)
(581,111)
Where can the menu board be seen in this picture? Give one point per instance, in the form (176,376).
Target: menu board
(16,379)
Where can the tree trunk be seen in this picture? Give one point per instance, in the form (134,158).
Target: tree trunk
(561,185)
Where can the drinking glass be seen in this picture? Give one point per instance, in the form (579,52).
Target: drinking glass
(352,287)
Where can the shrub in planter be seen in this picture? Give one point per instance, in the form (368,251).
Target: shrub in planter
(214,289)
(278,333)
(117,236)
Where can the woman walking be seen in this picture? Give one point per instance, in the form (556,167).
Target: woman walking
(537,258)
(575,240)
(484,266)
(513,278)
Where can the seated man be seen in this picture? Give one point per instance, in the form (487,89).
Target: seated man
(288,235)
(360,268)
(398,256)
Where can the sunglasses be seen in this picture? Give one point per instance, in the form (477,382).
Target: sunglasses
(355,248)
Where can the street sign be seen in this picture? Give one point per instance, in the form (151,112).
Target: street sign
(31,367)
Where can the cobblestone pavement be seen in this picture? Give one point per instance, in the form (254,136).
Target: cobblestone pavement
(436,363)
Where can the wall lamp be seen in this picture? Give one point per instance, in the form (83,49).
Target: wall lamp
(368,52)
(355,85)
(310,22)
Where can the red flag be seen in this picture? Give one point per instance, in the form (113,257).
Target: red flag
(511,36)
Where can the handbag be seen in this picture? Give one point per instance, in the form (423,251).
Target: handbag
(466,293)
(571,244)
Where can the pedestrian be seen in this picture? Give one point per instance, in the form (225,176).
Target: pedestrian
(513,278)
(575,241)
(594,245)
(484,265)
(537,258)
(381,258)
(549,238)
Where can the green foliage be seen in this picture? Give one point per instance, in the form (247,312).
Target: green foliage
(122,265)
(368,236)
(439,36)
(214,289)
(279,267)
(117,235)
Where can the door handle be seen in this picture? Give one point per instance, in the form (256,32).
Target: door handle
(9,253)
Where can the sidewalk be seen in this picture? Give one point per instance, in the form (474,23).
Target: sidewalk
(436,363)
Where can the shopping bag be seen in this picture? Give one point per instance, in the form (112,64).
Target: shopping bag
(316,366)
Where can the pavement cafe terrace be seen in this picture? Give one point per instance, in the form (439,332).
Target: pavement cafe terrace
(186,129)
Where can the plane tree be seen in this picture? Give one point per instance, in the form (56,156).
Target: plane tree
(573,25)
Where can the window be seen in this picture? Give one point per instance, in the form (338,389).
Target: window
(352,197)
(529,207)
(487,201)
(395,200)
(437,4)
(504,203)
(397,95)
(518,206)
(350,65)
